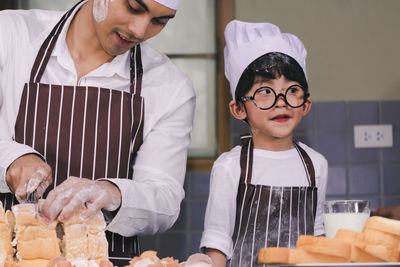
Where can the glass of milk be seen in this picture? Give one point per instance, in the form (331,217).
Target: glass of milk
(346,214)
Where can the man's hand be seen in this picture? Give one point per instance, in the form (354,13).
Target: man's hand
(74,194)
(27,174)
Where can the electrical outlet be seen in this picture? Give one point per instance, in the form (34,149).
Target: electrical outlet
(379,135)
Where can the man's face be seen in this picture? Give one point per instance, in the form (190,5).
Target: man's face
(126,23)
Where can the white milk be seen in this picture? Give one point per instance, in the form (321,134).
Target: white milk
(350,221)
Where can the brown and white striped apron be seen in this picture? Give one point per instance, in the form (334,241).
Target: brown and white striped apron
(270,216)
(83,131)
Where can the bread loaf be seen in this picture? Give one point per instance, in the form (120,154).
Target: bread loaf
(273,255)
(6,230)
(379,242)
(34,238)
(32,263)
(359,243)
(97,246)
(306,254)
(383,224)
(300,256)
(59,262)
(83,243)
(26,215)
(62,262)
(149,258)
(75,243)
(90,263)
(325,246)
(385,244)
(388,226)
(85,239)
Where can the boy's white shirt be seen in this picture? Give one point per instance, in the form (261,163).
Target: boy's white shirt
(275,168)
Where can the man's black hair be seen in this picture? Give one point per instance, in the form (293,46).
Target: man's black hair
(270,66)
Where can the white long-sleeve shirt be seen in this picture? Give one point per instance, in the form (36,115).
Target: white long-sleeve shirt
(151,201)
(273,168)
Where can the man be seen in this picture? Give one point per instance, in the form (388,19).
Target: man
(81,100)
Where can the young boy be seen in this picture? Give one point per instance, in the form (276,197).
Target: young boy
(270,190)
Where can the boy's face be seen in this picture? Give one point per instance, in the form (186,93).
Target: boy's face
(272,128)
(128,23)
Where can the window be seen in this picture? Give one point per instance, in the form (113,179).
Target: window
(189,40)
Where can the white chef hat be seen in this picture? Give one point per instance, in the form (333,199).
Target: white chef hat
(245,42)
(173,4)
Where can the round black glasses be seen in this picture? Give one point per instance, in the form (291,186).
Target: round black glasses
(265,97)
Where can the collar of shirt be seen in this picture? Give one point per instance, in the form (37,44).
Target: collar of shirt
(120,65)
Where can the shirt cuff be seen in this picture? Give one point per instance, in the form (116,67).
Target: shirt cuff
(9,156)
(115,218)
(217,240)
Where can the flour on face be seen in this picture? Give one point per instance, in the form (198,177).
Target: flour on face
(100,9)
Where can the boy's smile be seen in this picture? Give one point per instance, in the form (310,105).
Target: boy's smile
(281,118)
(273,128)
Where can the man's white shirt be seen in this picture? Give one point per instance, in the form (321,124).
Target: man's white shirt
(151,201)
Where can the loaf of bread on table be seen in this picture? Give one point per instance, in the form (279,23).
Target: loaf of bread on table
(62,262)
(85,239)
(32,263)
(369,246)
(149,258)
(82,243)
(309,249)
(90,263)
(34,238)
(6,232)
(338,250)
(274,255)
(379,242)
(387,228)
(277,255)
(59,262)
(383,224)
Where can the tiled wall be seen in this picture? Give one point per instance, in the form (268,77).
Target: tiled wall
(372,174)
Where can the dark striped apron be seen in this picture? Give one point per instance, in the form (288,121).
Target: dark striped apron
(270,216)
(83,131)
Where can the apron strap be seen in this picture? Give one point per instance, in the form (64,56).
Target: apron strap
(246,158)
(307,163)
(47,47)
(136,70)
(43,56)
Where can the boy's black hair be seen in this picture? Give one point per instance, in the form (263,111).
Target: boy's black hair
(270,66)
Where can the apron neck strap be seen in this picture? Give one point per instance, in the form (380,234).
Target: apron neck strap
(307,163)
(135,57)
(246,158)
(47,47)
(43,56)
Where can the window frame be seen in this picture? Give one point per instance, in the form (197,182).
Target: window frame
(224,13)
